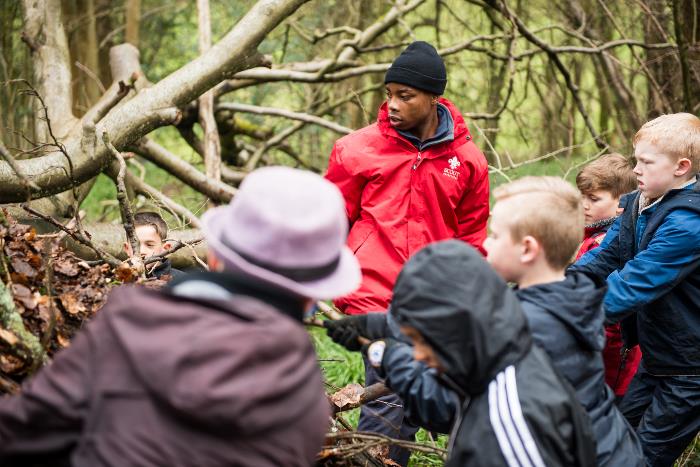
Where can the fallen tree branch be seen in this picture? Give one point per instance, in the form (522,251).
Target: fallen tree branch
(135,118)
(5,153)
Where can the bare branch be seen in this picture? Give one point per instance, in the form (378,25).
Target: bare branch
(303,117)
(214,189)
(124,204)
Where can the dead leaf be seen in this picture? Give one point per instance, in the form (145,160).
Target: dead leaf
(8,337)
(71,303)
(126,273)
(349,395)
(66,268)
(23,267)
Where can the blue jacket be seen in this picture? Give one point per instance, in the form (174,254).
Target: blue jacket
(650,261)
(566,320)
(427,403)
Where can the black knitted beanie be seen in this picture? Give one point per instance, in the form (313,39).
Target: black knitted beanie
(420,67)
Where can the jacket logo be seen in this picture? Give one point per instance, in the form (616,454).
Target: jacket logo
(452,171)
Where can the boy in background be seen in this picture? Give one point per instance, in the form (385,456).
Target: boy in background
(152,232)
(650,260)
(602,183)
(536,228)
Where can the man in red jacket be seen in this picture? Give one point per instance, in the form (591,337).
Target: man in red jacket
(412,178)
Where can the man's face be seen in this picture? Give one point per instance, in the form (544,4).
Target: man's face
(422,351)
(150,242)
(656,171)
(408,107)
(599,205)
(502,252)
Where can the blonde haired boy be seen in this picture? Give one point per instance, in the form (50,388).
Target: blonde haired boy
(650,261)
(536,228)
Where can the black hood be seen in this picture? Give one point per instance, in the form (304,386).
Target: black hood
(571,301)
(464,310)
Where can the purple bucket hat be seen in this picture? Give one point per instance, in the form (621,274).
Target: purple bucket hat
(286,227)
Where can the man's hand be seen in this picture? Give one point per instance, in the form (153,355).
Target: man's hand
(347,331)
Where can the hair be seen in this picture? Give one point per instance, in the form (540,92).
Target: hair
(154,220)
(611,172)
(548,209)
(677,135)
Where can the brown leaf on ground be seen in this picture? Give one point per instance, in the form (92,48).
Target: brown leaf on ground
(71,303)
(66,268)
(24,295)
(21,266)
(8,336)
(126,273)
(348,395)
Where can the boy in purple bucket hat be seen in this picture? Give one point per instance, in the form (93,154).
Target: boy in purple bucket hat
(214,370)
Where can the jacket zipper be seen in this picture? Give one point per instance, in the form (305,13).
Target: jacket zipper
(418,159)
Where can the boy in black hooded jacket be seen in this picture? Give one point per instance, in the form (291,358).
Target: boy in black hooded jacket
(516,410)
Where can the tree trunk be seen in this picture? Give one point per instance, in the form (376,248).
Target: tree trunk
(133,22)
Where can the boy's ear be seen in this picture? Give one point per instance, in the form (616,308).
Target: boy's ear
(127,249)
(531,249)
(684,166)
(167,245)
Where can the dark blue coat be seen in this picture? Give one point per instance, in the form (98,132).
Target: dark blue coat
(651,263)
(566,320)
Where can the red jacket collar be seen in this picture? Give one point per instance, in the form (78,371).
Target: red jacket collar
(460,127)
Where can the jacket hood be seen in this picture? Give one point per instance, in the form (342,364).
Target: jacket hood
(461,131)
(233,364)
(464,310)
(576,301)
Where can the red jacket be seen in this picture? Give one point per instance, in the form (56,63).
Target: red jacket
(620,363)
(399,199)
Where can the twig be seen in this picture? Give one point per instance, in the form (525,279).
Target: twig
(177,245)
(374,439)
(303,117)
(78,237)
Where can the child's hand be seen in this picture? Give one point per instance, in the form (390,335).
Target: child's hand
(348,331)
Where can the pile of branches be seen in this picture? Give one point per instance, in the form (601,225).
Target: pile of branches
(47,293)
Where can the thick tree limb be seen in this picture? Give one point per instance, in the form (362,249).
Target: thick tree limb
(303,117)
(5,153)
(135,118)
(214,189)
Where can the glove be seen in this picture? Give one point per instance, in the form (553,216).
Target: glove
(346,331)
